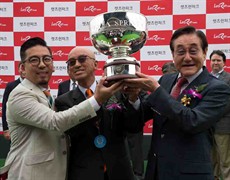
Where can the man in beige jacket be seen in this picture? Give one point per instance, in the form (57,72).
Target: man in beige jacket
(38,145)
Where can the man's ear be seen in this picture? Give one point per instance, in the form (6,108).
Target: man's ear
(96,64)
(22,67)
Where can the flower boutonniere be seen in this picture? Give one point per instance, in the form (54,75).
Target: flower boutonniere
(114,105)
(192,94)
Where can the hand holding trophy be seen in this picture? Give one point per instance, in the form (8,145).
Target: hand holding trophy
(119,34)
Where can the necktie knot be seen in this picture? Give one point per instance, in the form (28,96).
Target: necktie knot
(181,81)
(47,93)
(89,93)
(177,88)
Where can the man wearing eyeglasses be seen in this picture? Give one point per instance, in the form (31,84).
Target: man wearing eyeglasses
(98,148)
(67,85)
(38,145)
(185,107)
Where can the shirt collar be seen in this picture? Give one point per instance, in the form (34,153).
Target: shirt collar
(191,78)
(218,73)
(71,82)
(92,87)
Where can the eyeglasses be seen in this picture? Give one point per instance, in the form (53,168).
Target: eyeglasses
(81,59)
(35,60)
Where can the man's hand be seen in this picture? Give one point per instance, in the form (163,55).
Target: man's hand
(143,81)
(6,134)
(103,93)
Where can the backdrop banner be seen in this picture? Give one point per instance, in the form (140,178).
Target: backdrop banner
(64,24)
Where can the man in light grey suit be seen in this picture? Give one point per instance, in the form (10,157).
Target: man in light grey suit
(38,145)
(221,151)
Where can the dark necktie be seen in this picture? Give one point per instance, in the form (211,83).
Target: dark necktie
(73,86)
(177,88)
(49,97)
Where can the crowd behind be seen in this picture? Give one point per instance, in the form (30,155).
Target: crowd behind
(93,130)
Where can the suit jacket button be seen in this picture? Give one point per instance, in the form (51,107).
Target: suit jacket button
(64,152)
(154,155)
(162,136)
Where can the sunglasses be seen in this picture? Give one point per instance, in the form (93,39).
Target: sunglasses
(81,59)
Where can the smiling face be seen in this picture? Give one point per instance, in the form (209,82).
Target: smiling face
(40,74)
(83,72)
(188,55)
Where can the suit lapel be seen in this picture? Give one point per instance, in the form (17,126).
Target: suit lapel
(168,82)
(26,83)
(78,96)
(201,79)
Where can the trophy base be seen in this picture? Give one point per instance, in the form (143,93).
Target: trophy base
(121,69)
(119,77)
(113,79)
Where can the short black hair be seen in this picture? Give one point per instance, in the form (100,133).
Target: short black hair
(31,43)
(189,30)
(218,52)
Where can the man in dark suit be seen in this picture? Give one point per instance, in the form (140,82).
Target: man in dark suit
(67,85)
(98,148)
(185,108)
(221,150)
(9,87)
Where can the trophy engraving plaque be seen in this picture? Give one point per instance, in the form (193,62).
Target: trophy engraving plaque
(119,34)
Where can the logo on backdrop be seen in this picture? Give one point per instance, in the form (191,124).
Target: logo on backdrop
(156,7)
(83,39)
(87,9)
(6,24)
(21,37)
(7,53)
(56,80)
(192,20)
(152,67)
(218,36)
(60,23)
(218,6)
(158,37)
(29,9)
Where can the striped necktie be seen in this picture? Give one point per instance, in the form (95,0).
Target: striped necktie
(49,97)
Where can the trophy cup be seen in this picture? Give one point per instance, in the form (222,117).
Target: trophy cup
(119,34)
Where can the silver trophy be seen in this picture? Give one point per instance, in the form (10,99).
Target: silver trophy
(119,34)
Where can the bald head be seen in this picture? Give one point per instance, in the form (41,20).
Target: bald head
(75,52)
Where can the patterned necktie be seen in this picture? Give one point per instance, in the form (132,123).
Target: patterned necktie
(177,88)
(88,93)
(49,97)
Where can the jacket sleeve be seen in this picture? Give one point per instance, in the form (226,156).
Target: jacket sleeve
(26,108)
